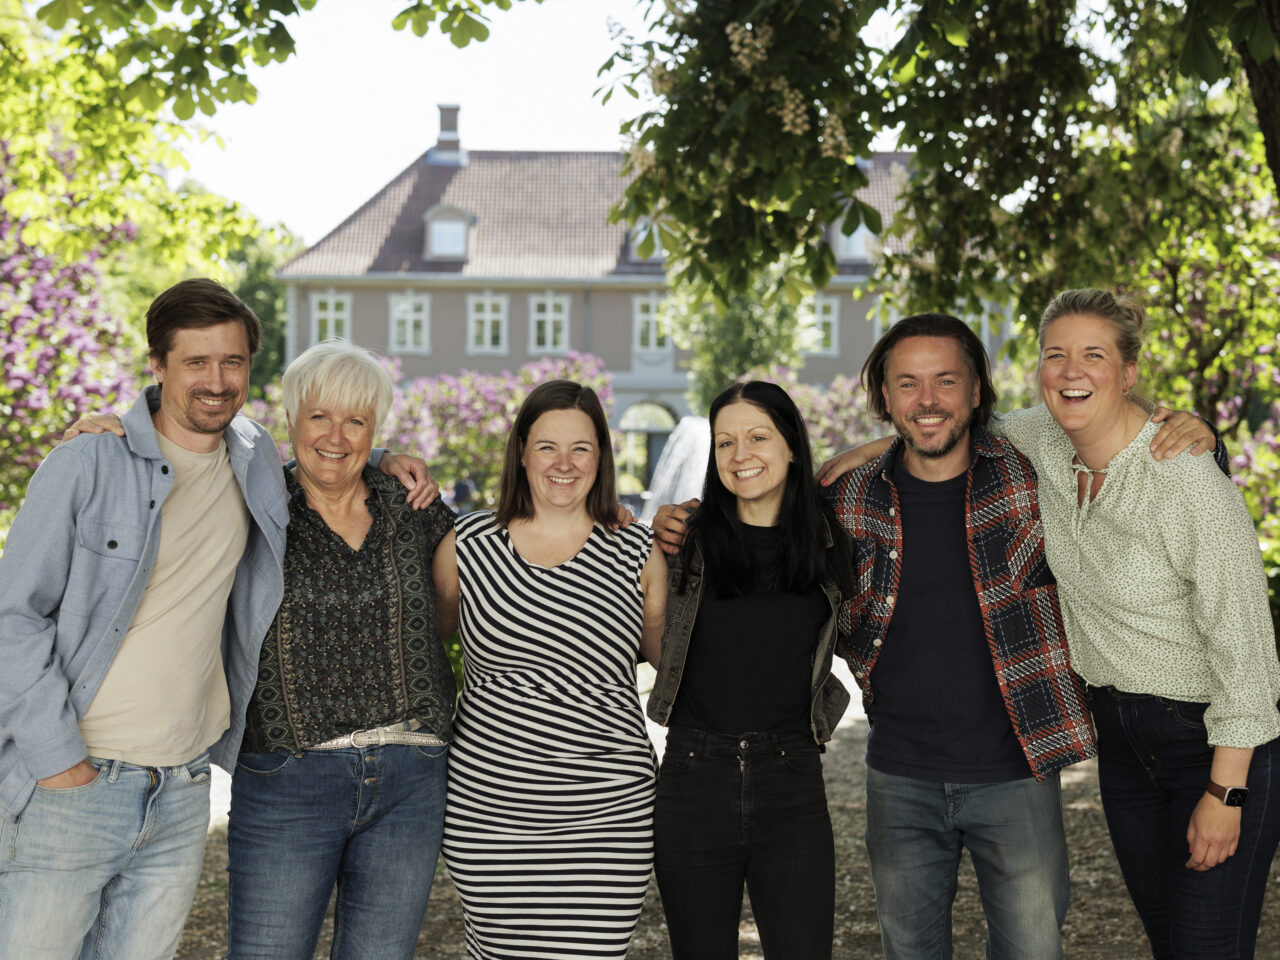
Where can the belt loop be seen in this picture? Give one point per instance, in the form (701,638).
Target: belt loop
(382,736)
(113,772)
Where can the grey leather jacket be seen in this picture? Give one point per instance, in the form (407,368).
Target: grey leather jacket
(828,697)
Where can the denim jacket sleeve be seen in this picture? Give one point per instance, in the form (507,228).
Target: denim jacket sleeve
(35,704)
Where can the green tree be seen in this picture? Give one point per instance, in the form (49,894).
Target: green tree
(254,281)
(754,328)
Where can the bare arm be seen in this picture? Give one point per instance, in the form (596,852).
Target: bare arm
(444,572)
(653,581)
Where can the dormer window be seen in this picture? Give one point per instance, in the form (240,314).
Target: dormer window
(855,246)
(448,232)
(448,238)
(637,236)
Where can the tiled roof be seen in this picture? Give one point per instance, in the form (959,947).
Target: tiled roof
(537,214)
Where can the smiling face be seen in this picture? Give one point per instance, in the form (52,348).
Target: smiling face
(560,460)
(331,445)
(752,460)
(204,381)
(1083,376)
(931,393)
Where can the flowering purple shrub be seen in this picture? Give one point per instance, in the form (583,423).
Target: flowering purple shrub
(459,424)
(60,350)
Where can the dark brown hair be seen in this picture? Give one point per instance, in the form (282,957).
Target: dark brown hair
(876,367)
(514,499)
(193,304)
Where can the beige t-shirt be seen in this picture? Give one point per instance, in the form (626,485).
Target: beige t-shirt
(1159,577)
(164,699)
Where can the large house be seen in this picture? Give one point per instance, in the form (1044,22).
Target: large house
(488,259)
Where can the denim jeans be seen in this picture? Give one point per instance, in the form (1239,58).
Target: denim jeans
(750,808)
(366,818)
(107,870)
(1153,764)
(1013,832)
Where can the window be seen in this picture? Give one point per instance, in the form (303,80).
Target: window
(854,246)
(446,233)
(486,323)
(637,235)
(825,322)
(548,323)
(330,316)
(448,238)
(410,319)
(651,333)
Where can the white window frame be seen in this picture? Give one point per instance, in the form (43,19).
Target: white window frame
(333,317)
(398,303)
(497,303)
(549,300)
(825,311)
(646,311)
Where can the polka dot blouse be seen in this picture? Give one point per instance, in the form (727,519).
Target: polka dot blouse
(1160,579)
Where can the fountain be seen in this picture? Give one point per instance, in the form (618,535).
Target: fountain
(681,468)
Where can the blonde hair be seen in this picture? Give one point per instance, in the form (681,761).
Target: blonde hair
(338,375)
(1124,313)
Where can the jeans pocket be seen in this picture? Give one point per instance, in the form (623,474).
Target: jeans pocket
(73,791)
(431,752)
(263,764)
(804,760)
(1186,714)
(198,771)
(677,761)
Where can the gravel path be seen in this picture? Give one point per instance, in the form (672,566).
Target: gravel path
(1101,924)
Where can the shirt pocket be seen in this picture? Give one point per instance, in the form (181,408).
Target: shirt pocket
(111,539)
(106,558)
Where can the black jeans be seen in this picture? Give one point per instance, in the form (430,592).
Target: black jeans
(747,808)
(1153,764)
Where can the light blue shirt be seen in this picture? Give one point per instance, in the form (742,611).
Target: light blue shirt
(75,565)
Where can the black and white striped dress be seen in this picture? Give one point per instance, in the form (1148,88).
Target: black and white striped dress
(549,826)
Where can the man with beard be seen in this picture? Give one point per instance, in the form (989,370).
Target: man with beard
(957,642)
(138,581)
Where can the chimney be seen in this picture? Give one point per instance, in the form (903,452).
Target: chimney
(448,149)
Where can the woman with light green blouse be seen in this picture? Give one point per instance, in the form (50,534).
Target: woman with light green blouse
(1163,594)
(1165,602)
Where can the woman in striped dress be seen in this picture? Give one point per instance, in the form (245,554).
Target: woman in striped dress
(549,823)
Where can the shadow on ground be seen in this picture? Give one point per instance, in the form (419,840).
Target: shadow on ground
(1101,924)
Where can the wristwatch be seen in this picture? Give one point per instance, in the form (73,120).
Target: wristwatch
(1231,796)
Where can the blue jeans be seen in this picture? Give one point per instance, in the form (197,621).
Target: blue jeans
(750,808)
(1013,832)
(366,818)
(1153,764)
(106,870)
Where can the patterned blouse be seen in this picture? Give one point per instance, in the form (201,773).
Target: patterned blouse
(1160,579)
(354,644)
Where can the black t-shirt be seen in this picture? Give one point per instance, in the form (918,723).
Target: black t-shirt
(937,712)
(750,658)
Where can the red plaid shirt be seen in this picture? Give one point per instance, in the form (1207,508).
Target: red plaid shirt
(1017,594)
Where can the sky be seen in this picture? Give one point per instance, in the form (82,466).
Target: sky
(357,103)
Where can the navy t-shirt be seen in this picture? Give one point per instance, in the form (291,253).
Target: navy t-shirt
(937,712)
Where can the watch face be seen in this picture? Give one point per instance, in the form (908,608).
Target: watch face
(1236,797)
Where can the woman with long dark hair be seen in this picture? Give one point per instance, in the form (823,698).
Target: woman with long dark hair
(745,686)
